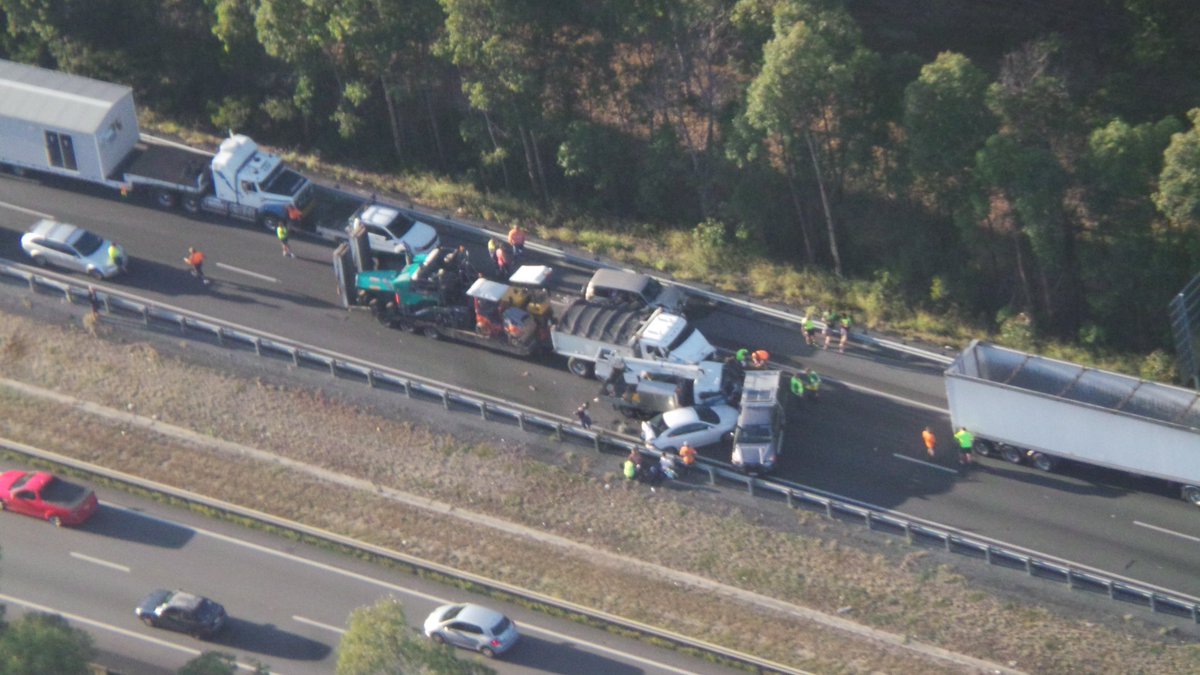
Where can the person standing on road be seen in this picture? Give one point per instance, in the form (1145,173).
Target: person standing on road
(759,358)
(516,239)
(930,440)
(687,455)
(94,302)
(810,327)
(195,260)
(832,323)
(581,413)
(503,262)
(493,246)
(115,257)
(812,384)
(283,233)
(966,445)
(844,320)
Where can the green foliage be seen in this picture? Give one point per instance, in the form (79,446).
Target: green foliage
(379,640)
(1017,331)
(1178,194)
(210,663)
(234,114)
(38,643)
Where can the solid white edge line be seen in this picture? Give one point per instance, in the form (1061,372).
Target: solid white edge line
(1164,530)
(22,209)
(392,587)
(239,270)
(922,462)
(318,624)
(98,561)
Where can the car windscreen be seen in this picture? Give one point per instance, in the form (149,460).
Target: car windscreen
(399,226)
(707,415)
(87,243)
(758,433)
(657,425)
(652,289)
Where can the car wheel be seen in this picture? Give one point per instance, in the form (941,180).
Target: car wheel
(488,652)
(148,621)
(431,332)
(3,505)
(438,639)
(1043,461)
(40,261)
(165,199)
(55,521)
(96,274)
(1190,492)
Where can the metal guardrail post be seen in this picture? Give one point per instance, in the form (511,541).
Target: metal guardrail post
(1070,578)
(483,408)
(750,485)
(145,315)
(869,520)
(712,475)
(908,533)
(558,431)
(596,445)
(295,357)
(371,378)
(257,346)
(521,420)
(332,368)
(446,399)
(787,496)
(220,335)
(182,325)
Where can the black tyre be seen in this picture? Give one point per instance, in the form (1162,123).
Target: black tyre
(191,204)
(40,261)
(984,448)
(579,367)
(1043,461)
(55,521)
(3,505)
(431,332)
(488,652)
(1011,454)
(437,638)
(96,274)
(166,199)
(148,621)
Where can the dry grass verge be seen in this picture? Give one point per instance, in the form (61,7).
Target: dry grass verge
(899,591)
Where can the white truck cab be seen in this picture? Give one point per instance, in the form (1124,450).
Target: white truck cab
(670,337)
(245,175)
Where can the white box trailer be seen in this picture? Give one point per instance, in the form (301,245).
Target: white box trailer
(85,129)
(1027,406)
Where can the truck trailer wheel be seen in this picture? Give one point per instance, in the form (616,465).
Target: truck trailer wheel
(984,448)
(166,199)
(1190,492)
(579,367)
(191,204)
(1043,461)
(1011,454)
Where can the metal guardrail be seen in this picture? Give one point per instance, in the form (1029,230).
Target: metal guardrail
(1077,576)
(413,562)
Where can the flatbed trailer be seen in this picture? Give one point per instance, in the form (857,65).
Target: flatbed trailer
(1024,406)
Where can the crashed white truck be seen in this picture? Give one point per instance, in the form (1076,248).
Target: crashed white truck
(1027,407)
(87,130)
(596,338)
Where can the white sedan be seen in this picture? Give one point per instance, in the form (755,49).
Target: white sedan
(50,242)
(696,425)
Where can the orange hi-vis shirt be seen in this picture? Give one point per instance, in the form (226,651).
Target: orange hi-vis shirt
(930,439)
(195,258)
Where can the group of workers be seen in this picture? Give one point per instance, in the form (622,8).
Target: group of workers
(668,466)
(837,324)
(505,257)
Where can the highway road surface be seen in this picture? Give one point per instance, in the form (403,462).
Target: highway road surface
(861,441)
(288,603)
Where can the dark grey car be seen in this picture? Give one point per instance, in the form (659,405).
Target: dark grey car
(195,615)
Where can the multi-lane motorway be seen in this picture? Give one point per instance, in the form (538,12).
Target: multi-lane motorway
(288,603)
(861,441)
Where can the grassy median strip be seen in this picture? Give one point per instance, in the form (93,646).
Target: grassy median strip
(801,562)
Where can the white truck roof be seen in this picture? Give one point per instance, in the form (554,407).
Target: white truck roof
(240,156)
(56,99)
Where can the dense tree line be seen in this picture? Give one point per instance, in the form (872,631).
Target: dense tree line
(987,159)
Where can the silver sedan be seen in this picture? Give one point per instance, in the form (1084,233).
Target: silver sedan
(50,242)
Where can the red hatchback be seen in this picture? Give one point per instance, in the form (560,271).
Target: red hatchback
(41,495)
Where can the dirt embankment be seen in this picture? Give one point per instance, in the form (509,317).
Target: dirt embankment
(624,539)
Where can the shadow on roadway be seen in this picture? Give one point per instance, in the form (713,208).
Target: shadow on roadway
(134,527)
(1099,481)
(270,641)
(548,656)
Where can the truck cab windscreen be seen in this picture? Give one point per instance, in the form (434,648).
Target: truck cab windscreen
(681,338)
(283,181)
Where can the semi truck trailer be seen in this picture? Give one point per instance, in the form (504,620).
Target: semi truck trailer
(87,130)
(1026,407)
